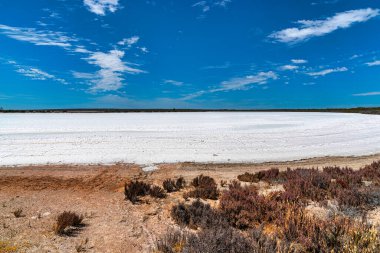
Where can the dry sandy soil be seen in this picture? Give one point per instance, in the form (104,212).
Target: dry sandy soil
(96,191)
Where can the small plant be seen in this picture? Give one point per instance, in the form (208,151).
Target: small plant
(157,192)
(18,213)
(135,189)
(65,221)
(223,183)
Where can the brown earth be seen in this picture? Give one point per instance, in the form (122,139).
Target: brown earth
(96,191)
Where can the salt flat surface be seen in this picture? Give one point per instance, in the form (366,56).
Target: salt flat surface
(149,138)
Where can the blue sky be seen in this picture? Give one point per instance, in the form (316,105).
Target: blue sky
(189,54)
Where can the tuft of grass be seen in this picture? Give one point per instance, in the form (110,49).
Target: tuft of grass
(18,213)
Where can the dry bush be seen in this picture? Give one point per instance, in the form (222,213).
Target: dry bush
(135,189)
(314,235)
(157,192)
(180,183)
(171,185)
(265,175)
(197,214)
(202,181)
(245,208)
(205,188)
(65,221)
(223,183)
(211,240)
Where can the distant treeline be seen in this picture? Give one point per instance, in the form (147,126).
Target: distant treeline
(364,110)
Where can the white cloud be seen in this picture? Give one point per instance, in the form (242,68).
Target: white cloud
(374,93)
(173,82)
(374,63)
(110,75)
(242,83)
(35,73)
(289,67)
(327,71)
(129,41)
(112,67)
(100,7)
(299,61)
(314,28)
(37,37)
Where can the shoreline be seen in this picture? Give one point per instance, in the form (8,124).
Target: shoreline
(301,162)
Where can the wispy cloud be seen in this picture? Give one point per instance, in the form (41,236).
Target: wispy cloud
(101,7)
(236,83)
(206,6)
(289,67)
(374,63)
(38,37)
(313,28)
(374,93)
(35,73)
(299,61)
(203,5)
(173,82)
(223,3)
(111,64)
(243,83)
(223,66)
(327,71)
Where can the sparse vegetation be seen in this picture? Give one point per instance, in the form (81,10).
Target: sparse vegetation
(246,221)
(66,221)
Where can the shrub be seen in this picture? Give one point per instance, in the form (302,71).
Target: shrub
(171,185)
(66,220)
(248,177)
(197,214)
(223,183)
(245,208)
(180,183)
(134,189)
(157,192)
(205,188)
(265,175)
(215,239)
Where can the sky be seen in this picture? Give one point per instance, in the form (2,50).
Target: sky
(238,54)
